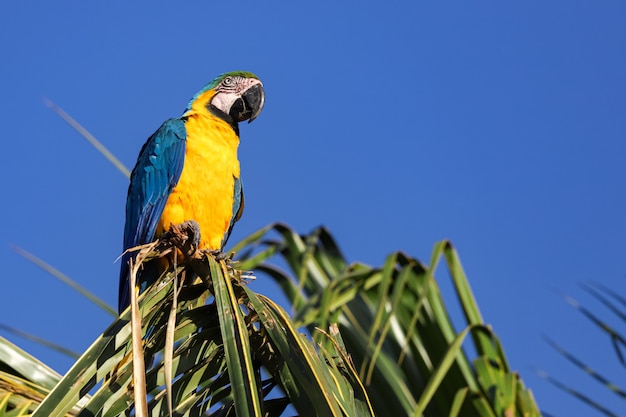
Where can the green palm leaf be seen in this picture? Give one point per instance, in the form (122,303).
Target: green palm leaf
(395,325)
(24,380)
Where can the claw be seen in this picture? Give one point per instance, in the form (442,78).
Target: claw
(185,236)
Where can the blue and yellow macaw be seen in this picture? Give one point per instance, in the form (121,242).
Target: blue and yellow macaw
(188,170)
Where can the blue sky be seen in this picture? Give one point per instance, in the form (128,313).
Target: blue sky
(396,124)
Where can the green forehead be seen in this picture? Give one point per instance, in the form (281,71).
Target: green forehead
(218,79)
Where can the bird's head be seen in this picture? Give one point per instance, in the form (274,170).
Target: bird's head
(234,96)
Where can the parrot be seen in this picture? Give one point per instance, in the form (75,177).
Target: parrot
(188,170)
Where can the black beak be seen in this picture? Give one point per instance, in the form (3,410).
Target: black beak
(249,106)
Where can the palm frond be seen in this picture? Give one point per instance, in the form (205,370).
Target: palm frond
(395,325)
(89,137)
(64,279)
(40,341)
(234,352)
(24,380)
(615,304)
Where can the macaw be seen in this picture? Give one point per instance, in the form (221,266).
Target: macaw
(188,170)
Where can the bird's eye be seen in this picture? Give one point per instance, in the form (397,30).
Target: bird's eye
(228,81)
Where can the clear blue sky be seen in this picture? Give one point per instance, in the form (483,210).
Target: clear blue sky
(499,125)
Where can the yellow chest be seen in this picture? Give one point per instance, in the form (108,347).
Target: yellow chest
(204,192)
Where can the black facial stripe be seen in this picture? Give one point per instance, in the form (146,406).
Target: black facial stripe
(224,116)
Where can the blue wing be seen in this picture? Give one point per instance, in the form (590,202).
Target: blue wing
(156,173)
(238,204)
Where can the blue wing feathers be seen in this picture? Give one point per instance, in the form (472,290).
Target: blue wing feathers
(156,173)
(238,204)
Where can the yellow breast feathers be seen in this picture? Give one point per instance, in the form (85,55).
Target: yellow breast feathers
(204,192)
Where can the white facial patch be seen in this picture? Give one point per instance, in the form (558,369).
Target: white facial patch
(224,100)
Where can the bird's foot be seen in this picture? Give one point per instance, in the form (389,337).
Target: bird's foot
(220,256)
(185,236)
